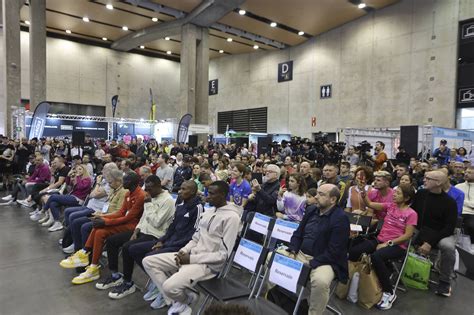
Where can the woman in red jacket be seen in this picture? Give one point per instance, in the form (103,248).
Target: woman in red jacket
(81,187)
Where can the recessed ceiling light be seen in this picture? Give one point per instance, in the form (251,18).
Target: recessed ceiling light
(27,22)
(68,31)
(242,12)
(255,47)
(167,38)
(168,52)
(273,24)
(154,19)
(104,38)
(362,5)
(301,33)
(221,51)
(229,39)
(142,47)
(85,19)
(109,6)
(125,28)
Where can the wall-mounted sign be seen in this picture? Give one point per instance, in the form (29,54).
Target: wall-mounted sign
(213,86)
(285,71)
(313,121)
(325,91)
(466,95)
(467,30)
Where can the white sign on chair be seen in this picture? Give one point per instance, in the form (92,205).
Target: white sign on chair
(247,254)
(283,230)
(260,223)
(285,272)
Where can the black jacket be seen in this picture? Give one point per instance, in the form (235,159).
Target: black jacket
(265,200)
(331,237)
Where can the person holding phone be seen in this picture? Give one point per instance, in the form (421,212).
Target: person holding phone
(291,202)
(264,196)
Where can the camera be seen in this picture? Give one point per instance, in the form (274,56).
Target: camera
(364,146)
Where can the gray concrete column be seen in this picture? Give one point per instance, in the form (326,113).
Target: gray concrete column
(202,78)
(11,61)
(188,70)
(37,52)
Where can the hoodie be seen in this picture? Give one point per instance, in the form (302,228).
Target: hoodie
(468,190)
(214,239)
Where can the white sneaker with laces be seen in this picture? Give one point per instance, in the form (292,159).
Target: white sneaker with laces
(57,226)
(7,198)
(49,222)
(34,212)
(36,216)
(179,308)
(45,217)
(69,249)
(386,301)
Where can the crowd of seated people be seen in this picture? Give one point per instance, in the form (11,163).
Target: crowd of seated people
(176,211)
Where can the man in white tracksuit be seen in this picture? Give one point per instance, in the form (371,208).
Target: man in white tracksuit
(202,258)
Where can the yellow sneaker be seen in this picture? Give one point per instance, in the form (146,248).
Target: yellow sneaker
(91,274)
(78,259)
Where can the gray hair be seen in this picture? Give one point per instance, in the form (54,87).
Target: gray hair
(274,168)
(114,175)
(108,168)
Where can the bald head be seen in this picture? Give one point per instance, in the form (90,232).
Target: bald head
(305,168)
(327,197)
(434,180)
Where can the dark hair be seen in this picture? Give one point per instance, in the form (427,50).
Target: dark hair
(204,176)
(381,144)
(408,191)
(127,162)
(134,178)
(241,167)
(346,164)
(403,165)
(331,164)
(76,157)
(222,186)
(153,179)
(312,192)
(301,183)
(193,184)
(367,171)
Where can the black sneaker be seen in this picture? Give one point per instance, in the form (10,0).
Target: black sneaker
(126,288)
(444,289)
(109,282)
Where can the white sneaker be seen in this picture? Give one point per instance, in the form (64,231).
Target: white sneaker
(179,308)
(57,226)
(49,222)
(26,203)
(9,202)
(60,241)
(45,217)
(36,216)
(386,301)
(34,211)
(7,198)
(69,249)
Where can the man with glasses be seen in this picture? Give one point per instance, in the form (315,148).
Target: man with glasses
(264,196)
(437,218)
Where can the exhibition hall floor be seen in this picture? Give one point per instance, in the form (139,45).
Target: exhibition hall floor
(32,282)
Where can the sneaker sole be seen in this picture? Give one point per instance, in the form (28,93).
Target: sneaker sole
(110,285)
(118,297)
(162,305)
(152,297)
(387,308)
(73,266)
(55,230)
(82,281)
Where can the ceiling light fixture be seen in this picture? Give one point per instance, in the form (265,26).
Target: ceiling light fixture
(273,24)
(242,12)
(104,38)
(154,19)
(68,31)
(86,19)
(167,38)
(27,22)
(255,47)
(362,5)
(125,28)
(221,51)
(109,6)
(301,33)
(168,52)
(229,39)
(142,47)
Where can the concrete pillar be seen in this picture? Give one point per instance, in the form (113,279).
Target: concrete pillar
(188,70)
(202,78)
(11,62)
(37,52)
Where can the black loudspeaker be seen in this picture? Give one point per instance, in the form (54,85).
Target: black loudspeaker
(409,139)
(193,141)
(78,137)
(264,145)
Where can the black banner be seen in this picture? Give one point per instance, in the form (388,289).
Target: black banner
(38,121)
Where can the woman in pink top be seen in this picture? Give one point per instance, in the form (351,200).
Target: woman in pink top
(390,244)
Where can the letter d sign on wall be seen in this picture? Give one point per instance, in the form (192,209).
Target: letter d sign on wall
(285,71)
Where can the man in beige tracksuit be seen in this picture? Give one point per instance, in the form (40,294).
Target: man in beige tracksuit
(202,258)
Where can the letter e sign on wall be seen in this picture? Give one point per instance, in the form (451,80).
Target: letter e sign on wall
(213,86)
(285,71)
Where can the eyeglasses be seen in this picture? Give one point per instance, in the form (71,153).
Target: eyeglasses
(429,178)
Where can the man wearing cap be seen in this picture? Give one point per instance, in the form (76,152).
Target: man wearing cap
(442,153)
(88,147)
(382,192)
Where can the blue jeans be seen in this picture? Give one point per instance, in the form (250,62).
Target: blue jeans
(55,202)
(76,212)
(80,230)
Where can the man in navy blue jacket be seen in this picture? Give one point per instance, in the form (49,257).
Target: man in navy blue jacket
(321,241)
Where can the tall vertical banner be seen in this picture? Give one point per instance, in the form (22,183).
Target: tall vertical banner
(38,122)
(183,128)
(114,104)
(153,106)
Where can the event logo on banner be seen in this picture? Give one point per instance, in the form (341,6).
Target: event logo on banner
(114,104)
(283,230)
(260,223)
(38,121)
(247,254)
(183,128)
(285,272)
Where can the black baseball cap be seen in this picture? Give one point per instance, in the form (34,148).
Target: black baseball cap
(443,141)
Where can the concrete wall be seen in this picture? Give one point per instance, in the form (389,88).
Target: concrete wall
(396,66)
(84,74)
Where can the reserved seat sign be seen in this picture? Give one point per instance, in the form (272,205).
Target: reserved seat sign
(283,230)
(260,223)
(285,272)
(247,254)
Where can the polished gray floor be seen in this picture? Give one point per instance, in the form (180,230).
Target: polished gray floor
(32,282)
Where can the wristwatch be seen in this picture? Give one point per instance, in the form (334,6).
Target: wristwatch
(390,243)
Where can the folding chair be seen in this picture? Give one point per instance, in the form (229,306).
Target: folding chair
(250,256)
(282,231)
(362,220)
(332,308)
(400,271)
(289,274)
